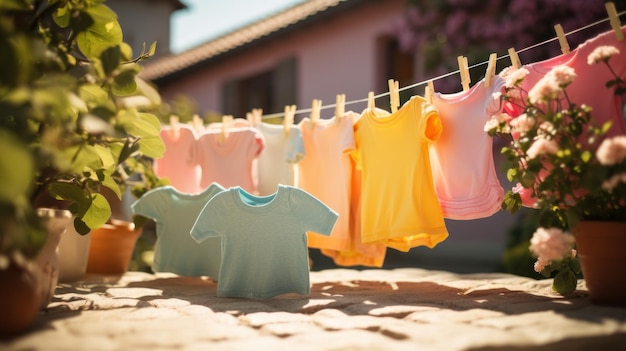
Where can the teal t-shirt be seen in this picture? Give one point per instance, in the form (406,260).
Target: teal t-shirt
(175,213)
(264,243)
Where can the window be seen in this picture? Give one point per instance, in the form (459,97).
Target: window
(269,90)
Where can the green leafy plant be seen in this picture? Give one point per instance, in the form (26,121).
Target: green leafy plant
(74,116)
(565,166)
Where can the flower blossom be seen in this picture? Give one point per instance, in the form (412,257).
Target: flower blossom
(546,129)
(546,89)
(513,77)
(551,244)
(542,146)
(612,151)
(602,54)
(611,183)
(528,200)
(522,124)
(562,75)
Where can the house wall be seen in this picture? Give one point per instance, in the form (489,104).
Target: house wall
(144,21)
(335,56)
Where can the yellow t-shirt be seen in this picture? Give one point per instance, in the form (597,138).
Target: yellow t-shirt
(399,206)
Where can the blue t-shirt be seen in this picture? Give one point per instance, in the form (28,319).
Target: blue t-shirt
(175,213)
(264,243)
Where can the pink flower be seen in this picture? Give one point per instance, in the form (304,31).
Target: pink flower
(611,183)
(540,265)
(542,146)
(612,151)
(551,244)
(602,53)
(528,200)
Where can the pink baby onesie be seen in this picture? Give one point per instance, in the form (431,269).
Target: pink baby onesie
(589,85)
(229,163)
(178,163)
(462,159)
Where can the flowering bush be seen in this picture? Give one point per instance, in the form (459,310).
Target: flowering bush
(564,164)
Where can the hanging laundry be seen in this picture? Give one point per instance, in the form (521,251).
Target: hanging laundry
(264,239)
(399,204)
(229,162)
(326,173)
(174,213)
(466,182)
(589,85)
(178,163)
(277,162)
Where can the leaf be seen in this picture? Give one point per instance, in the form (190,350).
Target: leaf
(98,212)
(106,157)
(110,183)
(110,59)
(80,226)
(152,49)
(152,147)
(139,125)
(67,191)
(62,16)
(511,174)
(15,5)
(103,33)
(148,91)
(16,170)
(124,83)
(564,282)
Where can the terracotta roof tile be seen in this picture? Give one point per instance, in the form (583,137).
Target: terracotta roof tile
(165,66)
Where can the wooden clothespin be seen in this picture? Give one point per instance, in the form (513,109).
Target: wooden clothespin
(340,107)
(371,103)
(197,123)
(515,62)
(288,118)
(226,121)
(491,69)
(254,117)
(174,125)
(562,39)
(394,94)
(429,90)
(464,72)
(614,20)
(316,107)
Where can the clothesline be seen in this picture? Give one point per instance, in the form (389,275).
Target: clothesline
(424,82)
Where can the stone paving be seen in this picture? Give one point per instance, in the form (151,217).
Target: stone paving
(398,309)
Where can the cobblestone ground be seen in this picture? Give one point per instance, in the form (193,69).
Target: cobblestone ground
(398,309)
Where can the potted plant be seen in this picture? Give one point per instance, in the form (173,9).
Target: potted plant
(74,119)
(572,173)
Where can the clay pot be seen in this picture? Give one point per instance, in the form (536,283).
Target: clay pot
(19,297)
(601,246)
(112,248)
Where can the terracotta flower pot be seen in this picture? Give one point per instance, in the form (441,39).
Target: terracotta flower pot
(20,297)
(112,247)
(601,248)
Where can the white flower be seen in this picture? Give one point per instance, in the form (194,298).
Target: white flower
(611,183)
(612,150)
(602,53)
(547,88)
(551,244)
(562,75)
(513,77)
(522,124)
(542,146)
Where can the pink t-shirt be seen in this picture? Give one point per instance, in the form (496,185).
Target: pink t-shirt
(229,163)
(465,178)
(589,85)
(178,163)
